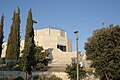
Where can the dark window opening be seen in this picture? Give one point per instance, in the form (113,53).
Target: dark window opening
(61,47)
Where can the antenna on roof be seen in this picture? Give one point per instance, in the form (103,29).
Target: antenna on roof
(103,23)
(56,27)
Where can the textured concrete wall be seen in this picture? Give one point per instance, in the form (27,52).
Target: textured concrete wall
(4,46)
(48,38)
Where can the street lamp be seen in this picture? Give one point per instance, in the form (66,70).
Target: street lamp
(76,33)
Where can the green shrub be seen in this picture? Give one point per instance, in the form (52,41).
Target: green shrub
(18,78)
(46,77)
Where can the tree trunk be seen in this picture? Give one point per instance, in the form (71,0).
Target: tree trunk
(26,75)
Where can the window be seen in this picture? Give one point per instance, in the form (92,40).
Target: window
(61,47)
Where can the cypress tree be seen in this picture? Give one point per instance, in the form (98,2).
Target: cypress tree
(17,36)
(13,46)
(1,33)
(10,48)
(29,45)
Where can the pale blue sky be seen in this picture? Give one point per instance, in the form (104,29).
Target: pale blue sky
(70,15)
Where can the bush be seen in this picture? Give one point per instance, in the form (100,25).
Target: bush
(18,78)
(2,60)
(72,72)
(54,77)
(46,77)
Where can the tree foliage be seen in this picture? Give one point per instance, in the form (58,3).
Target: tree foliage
(47,77)
(18,78)
(103,48)
(71,70)
(1,33)
(40,58)
(17,35)
(13,45)
(28,59)
(9,50)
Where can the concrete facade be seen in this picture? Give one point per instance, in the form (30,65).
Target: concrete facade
(4,46)
(59,47)
(56,41)
(50,38)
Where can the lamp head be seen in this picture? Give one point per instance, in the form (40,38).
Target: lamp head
(75,32)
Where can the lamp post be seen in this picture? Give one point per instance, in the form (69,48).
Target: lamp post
(76,33)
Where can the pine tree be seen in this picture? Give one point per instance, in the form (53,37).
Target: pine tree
(13,46)
(29,45)
(103,48)
(1,33)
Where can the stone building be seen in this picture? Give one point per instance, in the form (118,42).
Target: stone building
(58,45)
